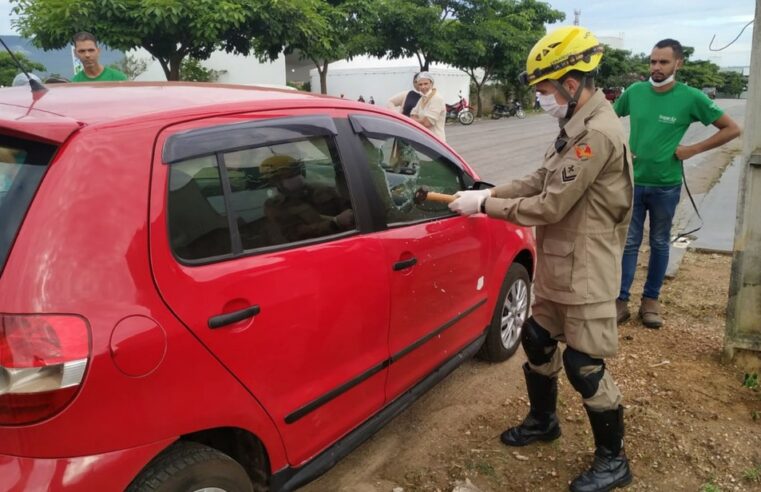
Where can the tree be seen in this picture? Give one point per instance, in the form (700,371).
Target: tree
(9,69)
(492,37)
(193,71)
(619,68)
(333,30)
(414,28)
(734,83)
(131,66)
(169,30)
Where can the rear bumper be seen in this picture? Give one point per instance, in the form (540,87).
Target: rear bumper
(102,472)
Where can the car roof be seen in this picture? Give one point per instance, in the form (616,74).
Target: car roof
(97,103)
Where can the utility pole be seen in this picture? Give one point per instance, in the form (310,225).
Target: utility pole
(576,16)
(743,330)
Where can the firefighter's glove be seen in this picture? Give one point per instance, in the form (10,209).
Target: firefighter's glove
(469,202)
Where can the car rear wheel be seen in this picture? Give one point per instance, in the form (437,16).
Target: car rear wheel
(192,467)
(511,311)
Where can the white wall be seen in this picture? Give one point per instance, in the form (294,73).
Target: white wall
(383,82)
(238,69)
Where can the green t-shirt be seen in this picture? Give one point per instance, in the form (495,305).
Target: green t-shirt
(107,75)
(658,122)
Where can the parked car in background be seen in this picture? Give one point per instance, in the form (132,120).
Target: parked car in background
(612,93)
(223,287)
(710,92)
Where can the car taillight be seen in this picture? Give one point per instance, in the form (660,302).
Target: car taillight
(42,362)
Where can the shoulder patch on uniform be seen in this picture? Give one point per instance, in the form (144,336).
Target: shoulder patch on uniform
(583,151)
(569,172)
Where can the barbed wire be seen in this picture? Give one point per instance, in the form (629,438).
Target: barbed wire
(710,45)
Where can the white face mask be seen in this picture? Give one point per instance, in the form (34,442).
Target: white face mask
(663,82)
(550,105)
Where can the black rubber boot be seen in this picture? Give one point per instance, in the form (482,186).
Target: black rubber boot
(541,423)
(610,468)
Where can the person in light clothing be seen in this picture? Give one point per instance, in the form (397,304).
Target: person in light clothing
(430,111)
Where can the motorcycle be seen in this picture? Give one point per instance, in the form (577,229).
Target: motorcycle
(460,111)
(514,109)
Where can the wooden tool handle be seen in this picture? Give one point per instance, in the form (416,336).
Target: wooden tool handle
(432,196)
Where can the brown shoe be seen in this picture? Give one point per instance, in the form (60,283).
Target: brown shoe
(650,312)
(622,311)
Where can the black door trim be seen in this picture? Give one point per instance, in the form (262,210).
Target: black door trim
(334,393)
(289,479)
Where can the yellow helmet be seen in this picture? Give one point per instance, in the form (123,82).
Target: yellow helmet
(280,166)
(557,53)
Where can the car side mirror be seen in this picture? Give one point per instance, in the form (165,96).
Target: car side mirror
(481,185)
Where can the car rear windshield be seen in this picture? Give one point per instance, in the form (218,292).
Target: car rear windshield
(22,165)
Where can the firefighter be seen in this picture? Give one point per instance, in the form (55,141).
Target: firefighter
(580,202)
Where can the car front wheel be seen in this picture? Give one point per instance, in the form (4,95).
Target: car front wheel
(512,308)
(192,467)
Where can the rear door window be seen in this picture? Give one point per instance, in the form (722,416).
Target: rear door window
(22,166)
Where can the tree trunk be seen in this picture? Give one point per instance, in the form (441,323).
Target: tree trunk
(175,62)
(479,111)
(164,66)
(324,77)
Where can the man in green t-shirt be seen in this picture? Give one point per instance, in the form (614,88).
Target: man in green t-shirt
(88,53)
(661,110)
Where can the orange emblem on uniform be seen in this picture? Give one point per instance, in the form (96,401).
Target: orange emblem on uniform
(583,151)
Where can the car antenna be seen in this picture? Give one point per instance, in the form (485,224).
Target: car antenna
(36,86)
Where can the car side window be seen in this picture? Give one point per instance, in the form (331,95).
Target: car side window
(278,194)
(197,214)
(399,168)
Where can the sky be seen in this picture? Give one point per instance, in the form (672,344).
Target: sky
(641,23)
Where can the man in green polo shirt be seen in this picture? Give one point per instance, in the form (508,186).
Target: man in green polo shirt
(87,51)
(661,110)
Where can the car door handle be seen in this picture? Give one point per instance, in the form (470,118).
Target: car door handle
(401,265)
(221,320)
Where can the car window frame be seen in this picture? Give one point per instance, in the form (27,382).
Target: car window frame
(212,140)
(378,127)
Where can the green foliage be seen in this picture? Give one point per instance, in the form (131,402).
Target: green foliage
(700,73)
(750,380)
(9,69)
(753,474)
(710,487)
(414,28)
(193,71)
(492,37)
(734,84)
(619,68)
(329,30)
(170,30)
(131,66)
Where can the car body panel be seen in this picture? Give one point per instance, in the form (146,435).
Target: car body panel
(340,334)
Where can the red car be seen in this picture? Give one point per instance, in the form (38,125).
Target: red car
(231,287)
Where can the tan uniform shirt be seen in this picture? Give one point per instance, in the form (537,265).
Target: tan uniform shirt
(580,202)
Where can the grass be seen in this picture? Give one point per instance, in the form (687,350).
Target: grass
(753,474)
(710,487)
(750,381)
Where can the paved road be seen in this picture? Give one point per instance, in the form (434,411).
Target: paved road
(505,149)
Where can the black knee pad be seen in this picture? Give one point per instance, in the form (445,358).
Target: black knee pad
(573,361)
(537,343)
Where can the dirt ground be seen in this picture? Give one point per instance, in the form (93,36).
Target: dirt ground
(691,423)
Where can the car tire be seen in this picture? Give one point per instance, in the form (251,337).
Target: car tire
(504,333)
(189,466)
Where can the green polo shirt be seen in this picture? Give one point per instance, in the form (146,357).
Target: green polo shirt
(658,122)
(107,75)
